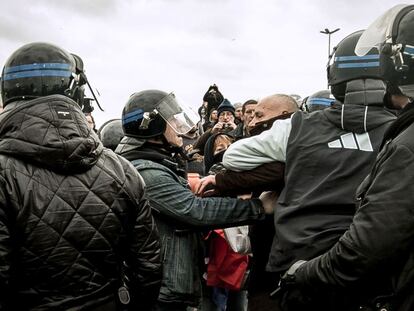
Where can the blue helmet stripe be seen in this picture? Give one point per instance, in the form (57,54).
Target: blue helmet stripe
(409,50)
(358,65)
(37,73)
(132,116)
(38,66)
(352,58)
(321,101)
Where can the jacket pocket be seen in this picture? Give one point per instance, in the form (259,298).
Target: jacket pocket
(179,264)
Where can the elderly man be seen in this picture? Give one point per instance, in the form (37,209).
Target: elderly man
(268,177)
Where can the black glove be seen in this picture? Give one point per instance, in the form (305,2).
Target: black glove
(289,294)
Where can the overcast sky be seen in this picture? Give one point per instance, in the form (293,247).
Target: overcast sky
(250,49)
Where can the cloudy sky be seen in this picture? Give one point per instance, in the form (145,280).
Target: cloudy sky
(250,49)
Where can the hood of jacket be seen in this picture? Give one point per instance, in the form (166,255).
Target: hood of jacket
(50,132)
(363,108)
(132,148)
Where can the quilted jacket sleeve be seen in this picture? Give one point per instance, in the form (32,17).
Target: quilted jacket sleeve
(5,246)
(143,260)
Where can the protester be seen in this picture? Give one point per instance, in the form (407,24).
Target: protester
(212,120)
(247,113)
(327,154)
(91,122)
(73,217)
(225,124)
(267,177)
(373,260)
(213,97)
(238,107)
(151,142)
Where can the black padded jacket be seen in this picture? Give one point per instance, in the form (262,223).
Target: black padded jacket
(71,213)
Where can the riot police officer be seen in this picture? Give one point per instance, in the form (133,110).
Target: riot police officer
(72,213)
(152,122)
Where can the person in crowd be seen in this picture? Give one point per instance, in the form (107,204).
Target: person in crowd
(214,149)
(152,143)
(213,97)
(91,122)
(76,232)
(223,293)
(111,133)
(202,112)
(212,120)
(318,101)
(277,106)
(269,109)
(373,262)
(194,159)
(238,113)
(267,177)
(225,124)
(298,99)
(327,154)
(247,112)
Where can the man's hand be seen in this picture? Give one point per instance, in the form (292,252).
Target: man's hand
(217,127)
(269,200)
(231,125)
(204,182)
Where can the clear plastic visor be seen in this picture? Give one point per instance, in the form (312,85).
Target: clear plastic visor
(378,32)
(179,116)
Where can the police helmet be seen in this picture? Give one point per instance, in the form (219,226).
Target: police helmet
(41,69)
(147,113)
(111,133)
(345,65)
(393,35)
(319,100)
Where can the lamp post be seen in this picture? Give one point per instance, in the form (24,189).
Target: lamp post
(328,32)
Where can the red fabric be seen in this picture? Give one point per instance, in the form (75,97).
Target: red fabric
(225,268)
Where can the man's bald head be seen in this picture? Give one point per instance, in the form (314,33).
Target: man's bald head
(273,106)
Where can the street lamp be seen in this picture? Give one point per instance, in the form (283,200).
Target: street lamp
(328,32)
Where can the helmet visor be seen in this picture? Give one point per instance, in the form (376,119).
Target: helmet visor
(378,32)
(179,116)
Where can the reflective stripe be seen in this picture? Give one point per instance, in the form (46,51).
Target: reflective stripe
(36,66)
(409,49)
(132,116)
(351,58)
(37,73)
(358,65)
(321,101)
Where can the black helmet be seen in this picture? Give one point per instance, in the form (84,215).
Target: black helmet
(393,34)
(345,65)
(41,69)
(147,113)
(111,133)
(318,101)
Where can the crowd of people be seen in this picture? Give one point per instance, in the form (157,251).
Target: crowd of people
(272,204)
